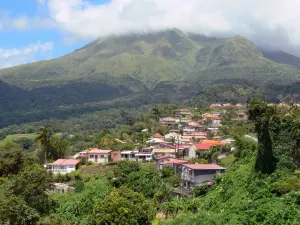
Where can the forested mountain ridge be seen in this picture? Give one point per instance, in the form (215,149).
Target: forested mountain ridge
(138,69)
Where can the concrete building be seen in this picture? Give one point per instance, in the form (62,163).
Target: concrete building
(194,174)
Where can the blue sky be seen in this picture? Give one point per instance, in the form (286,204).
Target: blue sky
(15,38)
(33,30)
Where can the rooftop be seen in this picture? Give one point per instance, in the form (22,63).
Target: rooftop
(163,150)
(204,166)
(65,162)
(174,161)
(157,135)
(164,157)
(97,150)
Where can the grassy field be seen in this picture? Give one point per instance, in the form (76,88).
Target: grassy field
(15,137)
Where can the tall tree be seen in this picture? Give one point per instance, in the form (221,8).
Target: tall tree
(11,159)
(44,137)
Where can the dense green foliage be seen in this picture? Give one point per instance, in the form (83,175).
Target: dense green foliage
(134,70)
(261,186)
(124,206)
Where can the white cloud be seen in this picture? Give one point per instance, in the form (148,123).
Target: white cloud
(27,54)
(259,20)
(21,23)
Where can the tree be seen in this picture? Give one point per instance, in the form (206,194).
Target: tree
(11,159)
(44,137)
(145,181)
(58,146)
(171,208)
(124,206)
(32,184)
(167,171)
(14,211)
(156,113)
(260,114)
(124,169)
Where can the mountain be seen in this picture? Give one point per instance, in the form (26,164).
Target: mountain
(138,69)
(281,57)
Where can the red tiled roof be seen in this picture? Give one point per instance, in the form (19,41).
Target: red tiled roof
(166,145)
(204,166)
(174,161)
(157,135)
(181,146)
(164,157)
(66,162)
(204,146)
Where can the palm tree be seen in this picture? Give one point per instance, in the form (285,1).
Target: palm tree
(44,137)
(156,113)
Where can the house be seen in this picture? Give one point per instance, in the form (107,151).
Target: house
(176,164)
(162,145)
(227,105)
(143,156)
(167,121)
(62,166)
(103,156)
(239,106)
(158,135)
(159,160)
(172,136)
(215,105)
(155,140)
(128,155)
(217,138)
(203,146)
(62,188)
(195,174)
(182,113)
(159,152)
(193,138)
(216,121)
(184,149)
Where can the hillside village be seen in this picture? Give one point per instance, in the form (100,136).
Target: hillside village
(180,164)
(192,145)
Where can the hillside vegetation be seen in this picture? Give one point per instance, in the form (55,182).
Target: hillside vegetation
(134,70)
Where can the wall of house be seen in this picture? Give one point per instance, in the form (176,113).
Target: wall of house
(130,157)
(200,176)
(194,177)
(192,152)
(116,156)
(102,158)
(143,158)
(62,169)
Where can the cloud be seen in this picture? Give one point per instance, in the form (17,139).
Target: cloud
(27,54)
(256,19)
(21,23)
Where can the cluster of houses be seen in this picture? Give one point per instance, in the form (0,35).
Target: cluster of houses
(176,148)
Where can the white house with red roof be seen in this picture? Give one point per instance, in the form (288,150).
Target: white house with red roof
(194,174)
(63,166)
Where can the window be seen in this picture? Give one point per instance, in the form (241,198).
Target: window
(71,166)
(115,155)
(91,156)
(102,156)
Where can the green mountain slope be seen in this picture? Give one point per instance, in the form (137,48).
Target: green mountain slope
(166,66)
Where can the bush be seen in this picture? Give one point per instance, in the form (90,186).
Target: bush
(201,190)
